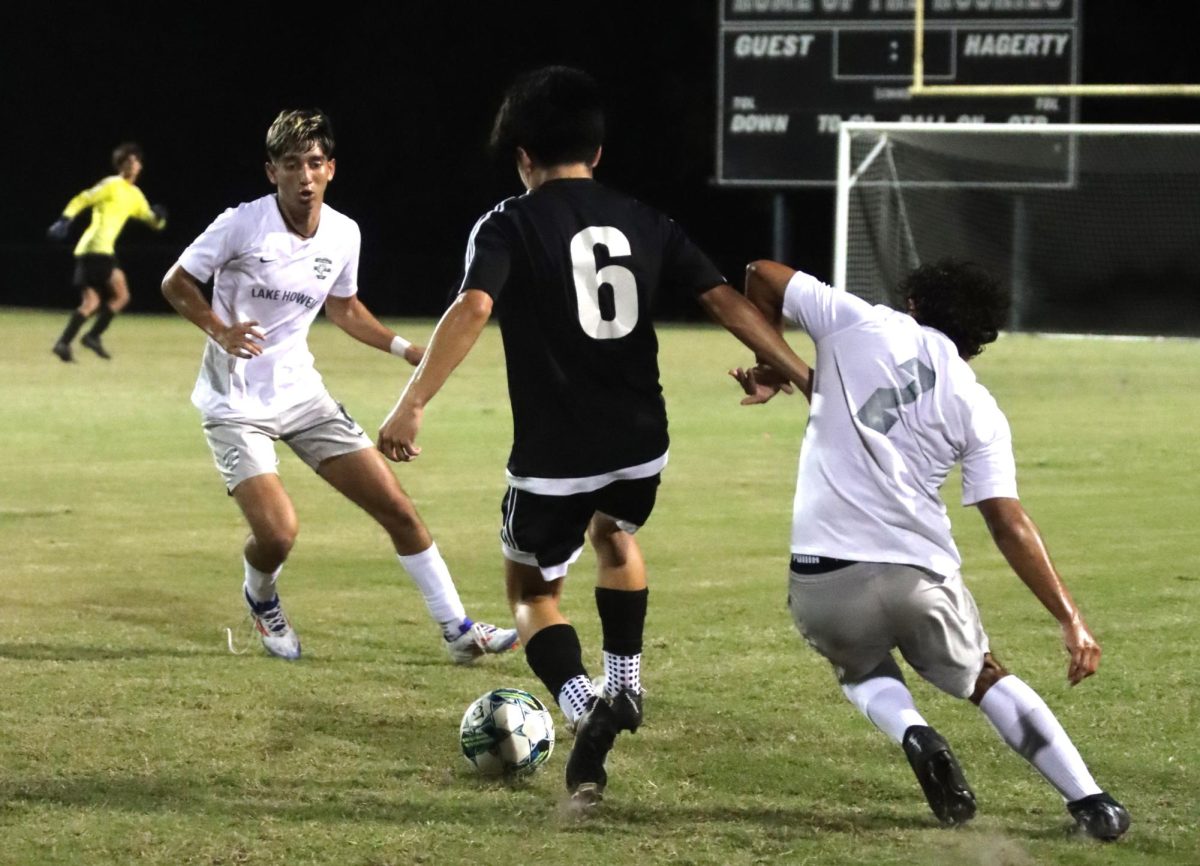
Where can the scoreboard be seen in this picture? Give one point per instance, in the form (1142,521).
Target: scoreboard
(790,71)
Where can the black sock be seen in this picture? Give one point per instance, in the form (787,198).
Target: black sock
(73,326)
(622,619)
(103,318)
(555,656)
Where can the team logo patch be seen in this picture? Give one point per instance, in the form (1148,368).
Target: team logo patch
(322,266)
(229,459)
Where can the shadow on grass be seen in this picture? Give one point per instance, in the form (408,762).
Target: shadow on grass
(77,653)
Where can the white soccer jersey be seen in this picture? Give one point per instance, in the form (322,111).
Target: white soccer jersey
(263,272)
(893,409)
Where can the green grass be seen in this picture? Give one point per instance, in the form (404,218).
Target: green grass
(129,734)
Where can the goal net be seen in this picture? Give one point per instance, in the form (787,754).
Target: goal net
(1096,228)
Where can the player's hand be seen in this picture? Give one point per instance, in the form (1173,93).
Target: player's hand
(414,353)
(760,383)
(58,229)
(160,211)
(1083,648)
(398,433)
(241,339)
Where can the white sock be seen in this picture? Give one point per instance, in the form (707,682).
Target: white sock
(1024,721)
(622,672)
(260,585)
(575,696)
(887,702)
(432,576)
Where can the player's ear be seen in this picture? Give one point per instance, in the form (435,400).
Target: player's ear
(270,169)
(596,159)
(332,167)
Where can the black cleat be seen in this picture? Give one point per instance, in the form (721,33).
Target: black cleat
(594,736)
(941,778)
(63,350)
(1100,816)
(627,707)
(96,346)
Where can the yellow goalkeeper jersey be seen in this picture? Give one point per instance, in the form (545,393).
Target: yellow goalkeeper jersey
(113,201)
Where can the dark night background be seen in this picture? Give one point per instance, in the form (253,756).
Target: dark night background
(412,88)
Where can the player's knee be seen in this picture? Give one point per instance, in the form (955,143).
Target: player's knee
(611,543)
(276,542)
(991,674)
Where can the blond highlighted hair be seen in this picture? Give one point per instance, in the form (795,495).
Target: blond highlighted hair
(296,130)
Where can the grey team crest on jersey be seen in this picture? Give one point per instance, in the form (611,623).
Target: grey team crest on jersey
(322,266)
(879,412)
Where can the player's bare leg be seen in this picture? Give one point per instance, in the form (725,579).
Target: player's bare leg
(621,600)
(273,528)
(118,297)
(365,479)
(1028,726)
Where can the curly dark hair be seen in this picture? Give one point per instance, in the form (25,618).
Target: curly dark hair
(960,299)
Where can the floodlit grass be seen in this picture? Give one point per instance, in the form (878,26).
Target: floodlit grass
(129,734)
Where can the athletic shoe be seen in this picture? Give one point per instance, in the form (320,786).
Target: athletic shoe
(941,778)
(1100,816)
(595,733)
(63,350)
(92,342)
(478,639)
(627,708)
(273,627)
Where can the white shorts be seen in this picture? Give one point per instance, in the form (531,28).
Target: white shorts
(856,615)
(315,430)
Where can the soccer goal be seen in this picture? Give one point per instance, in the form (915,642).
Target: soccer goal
(1096,228)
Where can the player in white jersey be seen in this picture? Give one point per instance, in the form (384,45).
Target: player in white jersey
(274,263)
(894,407)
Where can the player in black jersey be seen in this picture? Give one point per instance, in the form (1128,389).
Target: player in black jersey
(572,269)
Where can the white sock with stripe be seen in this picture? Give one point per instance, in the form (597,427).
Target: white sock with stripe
(1023,720)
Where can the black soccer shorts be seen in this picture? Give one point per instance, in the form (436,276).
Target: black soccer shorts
(548,531)
(94,270)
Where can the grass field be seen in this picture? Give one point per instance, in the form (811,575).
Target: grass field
(129,734)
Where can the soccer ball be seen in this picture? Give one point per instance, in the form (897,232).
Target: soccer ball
(506,732)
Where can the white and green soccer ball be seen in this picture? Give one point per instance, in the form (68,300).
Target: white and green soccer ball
(506,732)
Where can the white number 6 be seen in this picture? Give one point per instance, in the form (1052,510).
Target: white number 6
(589,279)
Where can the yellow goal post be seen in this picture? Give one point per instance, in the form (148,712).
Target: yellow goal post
(920,88)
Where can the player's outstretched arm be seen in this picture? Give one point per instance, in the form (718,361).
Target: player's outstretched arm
(352,316)
(452,339)
(1018,539)
(729,308)
(182,291)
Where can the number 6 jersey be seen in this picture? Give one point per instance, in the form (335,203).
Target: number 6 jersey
(574,269)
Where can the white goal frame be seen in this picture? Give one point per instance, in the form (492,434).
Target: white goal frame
(847,174)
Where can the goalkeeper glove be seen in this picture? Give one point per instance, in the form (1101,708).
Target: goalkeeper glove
(160,211)
(58,231)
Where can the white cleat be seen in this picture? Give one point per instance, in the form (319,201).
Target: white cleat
(479,639)
(278,637)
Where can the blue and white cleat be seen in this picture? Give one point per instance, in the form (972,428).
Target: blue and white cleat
(278,637)
(478,639)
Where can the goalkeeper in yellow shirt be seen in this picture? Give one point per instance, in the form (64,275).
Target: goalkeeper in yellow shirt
(98,274)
